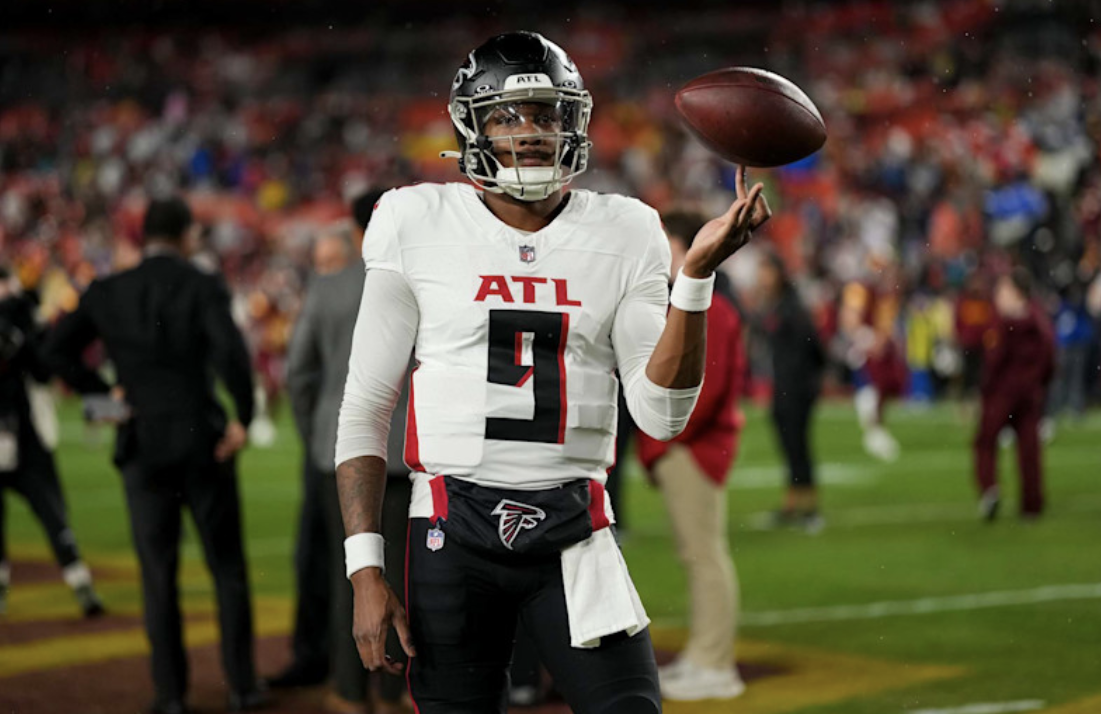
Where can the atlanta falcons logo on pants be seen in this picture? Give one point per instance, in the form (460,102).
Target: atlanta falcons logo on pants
(516,517)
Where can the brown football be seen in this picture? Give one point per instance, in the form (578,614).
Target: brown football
(751,117)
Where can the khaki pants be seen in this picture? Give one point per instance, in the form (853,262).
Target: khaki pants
(697,509)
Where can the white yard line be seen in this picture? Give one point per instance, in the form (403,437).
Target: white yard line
(1023,705)
(931,512)
(751,477)
(911,513)
(922,606)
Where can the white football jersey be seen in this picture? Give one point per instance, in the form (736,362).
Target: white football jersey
(514,385)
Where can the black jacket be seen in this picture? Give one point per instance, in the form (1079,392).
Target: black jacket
(797,356)
(20,358)
(168,330)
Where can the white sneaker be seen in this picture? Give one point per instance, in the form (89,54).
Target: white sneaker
(879,443)
(673,669)
(1047,430)
(694,683)
(988,504)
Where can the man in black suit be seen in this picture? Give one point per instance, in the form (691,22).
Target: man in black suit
(168,330)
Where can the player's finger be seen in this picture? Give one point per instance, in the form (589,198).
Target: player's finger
(741,217)
(731,211)
(401,626)
(748,207)
(377,644)
(382,660)
(723,223)
(739,181)
(762,213)
(391,667)
(364,649)
(752,199)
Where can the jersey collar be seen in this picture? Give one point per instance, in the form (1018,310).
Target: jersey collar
(484,217)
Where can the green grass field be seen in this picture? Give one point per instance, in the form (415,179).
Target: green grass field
(896,533)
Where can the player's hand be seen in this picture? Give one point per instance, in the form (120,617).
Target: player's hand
(376,610)
(118,393)
(231,442)
(121,414)
(721,237)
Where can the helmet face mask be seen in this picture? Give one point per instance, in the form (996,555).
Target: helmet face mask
(517,96)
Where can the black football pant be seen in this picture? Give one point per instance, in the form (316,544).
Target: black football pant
(464,607)
(156,502)
(36,480)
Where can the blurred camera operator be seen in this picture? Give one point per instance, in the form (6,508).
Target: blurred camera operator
(26,463)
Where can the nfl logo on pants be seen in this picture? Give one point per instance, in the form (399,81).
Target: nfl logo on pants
(434,541)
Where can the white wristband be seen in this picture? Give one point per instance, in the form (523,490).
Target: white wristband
(364,550)
(692,294)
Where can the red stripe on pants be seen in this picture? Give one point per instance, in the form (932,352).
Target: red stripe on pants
(439,498)
(596,506)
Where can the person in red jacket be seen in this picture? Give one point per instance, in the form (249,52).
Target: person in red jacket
(1019,359)
(974,315)
(691,471)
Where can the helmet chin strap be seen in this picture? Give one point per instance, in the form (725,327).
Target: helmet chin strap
(529,183)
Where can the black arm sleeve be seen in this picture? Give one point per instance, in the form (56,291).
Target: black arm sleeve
(63,352)
(229,354)
(31,358)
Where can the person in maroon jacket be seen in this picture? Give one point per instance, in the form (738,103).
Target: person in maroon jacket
(1019,359)
(974,314)
(691,471)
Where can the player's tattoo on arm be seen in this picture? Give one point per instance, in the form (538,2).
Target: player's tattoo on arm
(361,483)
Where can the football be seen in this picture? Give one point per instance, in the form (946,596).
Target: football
(751,116)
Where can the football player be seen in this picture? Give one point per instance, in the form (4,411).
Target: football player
(518,299)
(867,316)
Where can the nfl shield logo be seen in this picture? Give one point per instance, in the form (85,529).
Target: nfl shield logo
(435,539)
(527,254)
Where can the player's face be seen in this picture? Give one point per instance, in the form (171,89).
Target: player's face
(1008,299)
(534,126)
(768,279)
(329,255)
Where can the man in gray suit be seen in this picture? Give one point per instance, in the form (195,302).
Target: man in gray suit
(312,390)
(317,368)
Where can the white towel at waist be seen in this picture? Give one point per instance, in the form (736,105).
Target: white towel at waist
(601,600)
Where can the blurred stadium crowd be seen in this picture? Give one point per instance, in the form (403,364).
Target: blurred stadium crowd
(964,137)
